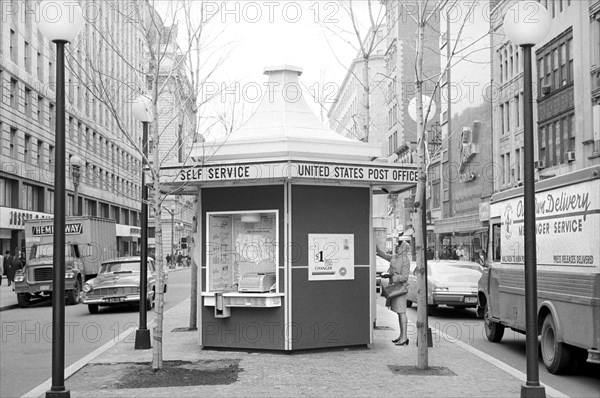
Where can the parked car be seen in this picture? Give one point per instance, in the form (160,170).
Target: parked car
(449,282)
(118,283)
(381,266)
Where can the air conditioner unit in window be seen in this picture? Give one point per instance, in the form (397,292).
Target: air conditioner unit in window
(540,164)
(570,156)
(546,90)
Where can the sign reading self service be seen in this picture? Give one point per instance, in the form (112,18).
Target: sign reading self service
(385,174)
(330,257)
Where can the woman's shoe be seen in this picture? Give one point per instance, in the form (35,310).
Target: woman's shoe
(405,342)
(396,340)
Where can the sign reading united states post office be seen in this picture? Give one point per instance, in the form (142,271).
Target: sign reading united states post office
(317,171)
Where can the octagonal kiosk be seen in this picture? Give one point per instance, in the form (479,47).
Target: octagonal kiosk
(287,257)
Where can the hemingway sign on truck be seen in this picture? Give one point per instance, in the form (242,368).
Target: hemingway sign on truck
(567,226)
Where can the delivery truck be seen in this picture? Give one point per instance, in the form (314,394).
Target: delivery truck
(88,242)
(567,228)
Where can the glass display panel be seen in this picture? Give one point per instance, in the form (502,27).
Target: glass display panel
(240,244)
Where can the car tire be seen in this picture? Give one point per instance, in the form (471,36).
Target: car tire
(73,294)
(93,308)
(23,299)
(493,330)
(165,288)
(431,307)
(557,356)
(409,303)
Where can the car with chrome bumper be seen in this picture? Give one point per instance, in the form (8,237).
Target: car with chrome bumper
(449,282)
(118,283)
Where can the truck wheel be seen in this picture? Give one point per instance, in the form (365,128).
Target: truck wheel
(493,330)
(557,356)
(73,295)
(23,299)
(408,303)
(93,308)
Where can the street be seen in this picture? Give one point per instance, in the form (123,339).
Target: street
(26,335)
(26,340)
(466,327)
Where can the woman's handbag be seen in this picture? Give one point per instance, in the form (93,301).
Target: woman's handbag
(395,289)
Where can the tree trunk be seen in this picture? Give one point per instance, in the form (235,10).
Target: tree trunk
(423,358)
(367,96)
(195,244)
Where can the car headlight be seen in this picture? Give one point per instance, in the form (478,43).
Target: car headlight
(19,277)
(87,287)
(440,289)
(69,274)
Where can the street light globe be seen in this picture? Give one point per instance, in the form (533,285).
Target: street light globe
(526,23)
(60,20)
(76,161)
(173,207)
(412,108)
(142,109)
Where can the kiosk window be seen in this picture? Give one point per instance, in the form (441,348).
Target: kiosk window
(240,244)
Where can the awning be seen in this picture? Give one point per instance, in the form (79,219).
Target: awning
(462,224)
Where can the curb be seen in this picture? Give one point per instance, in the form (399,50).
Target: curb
(9,307)
(45,386)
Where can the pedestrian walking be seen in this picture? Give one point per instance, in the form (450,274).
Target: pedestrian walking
(7,264)
(16,264)
(1,267)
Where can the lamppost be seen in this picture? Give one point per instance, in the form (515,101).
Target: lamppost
(76,164)
(172,213)
(61,22)
(526,24)
(142,112)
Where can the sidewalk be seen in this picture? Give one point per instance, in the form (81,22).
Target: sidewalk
(338,372)
(8,298)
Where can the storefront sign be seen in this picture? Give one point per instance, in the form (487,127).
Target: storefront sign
(330,257)
(484,211)
(128,231)
(15,218)
(313,171)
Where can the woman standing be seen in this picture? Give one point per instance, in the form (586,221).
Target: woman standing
(398,273)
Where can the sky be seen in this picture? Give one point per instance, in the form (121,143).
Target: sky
(317,36)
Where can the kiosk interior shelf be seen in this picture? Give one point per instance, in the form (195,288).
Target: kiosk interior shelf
(233,299)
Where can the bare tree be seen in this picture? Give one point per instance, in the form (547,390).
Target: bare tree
(171,72)
(365,35)
(425,14)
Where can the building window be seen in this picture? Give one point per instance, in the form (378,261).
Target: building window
(51,116)
(27,107)
(51,155)
(7,189)
(27,57)
(40,67)
(14,91)
(27,149)
(542,144)
(40,109)
(13,142)
(31,197)
(13,46)
(40,153)
(517,168)
(50,202)
(555,63)
(517,110)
